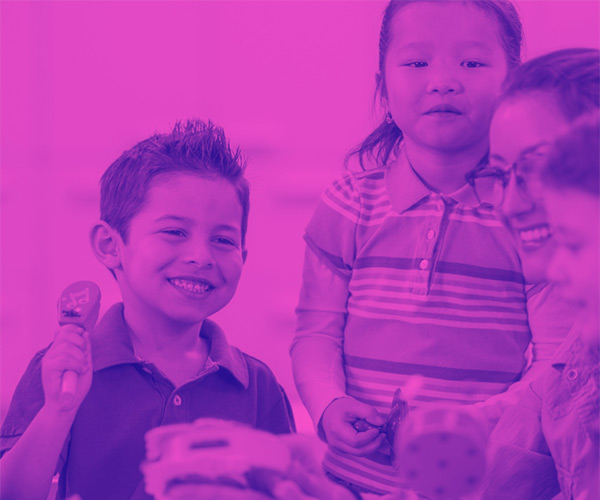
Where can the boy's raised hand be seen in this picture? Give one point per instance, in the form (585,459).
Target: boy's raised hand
(70,351)
(338,419)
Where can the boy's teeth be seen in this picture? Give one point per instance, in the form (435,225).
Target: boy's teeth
(190,286)
(536,234)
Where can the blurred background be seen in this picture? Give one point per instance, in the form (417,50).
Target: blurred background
(290,81)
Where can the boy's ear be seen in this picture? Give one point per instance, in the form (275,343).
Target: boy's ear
(244,255)
(106,243)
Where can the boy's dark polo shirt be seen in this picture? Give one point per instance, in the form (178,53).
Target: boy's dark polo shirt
(101,458)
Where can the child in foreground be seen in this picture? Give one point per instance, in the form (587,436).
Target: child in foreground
(552,432)
(174,211)
(404,273)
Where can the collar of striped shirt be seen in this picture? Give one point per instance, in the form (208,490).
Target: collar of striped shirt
(405,188)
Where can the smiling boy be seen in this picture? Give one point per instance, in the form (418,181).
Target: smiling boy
(174,211)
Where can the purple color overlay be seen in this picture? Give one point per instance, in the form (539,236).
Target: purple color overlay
(290,82)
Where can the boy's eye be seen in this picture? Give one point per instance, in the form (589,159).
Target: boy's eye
(472,64)
(174,232)
(416,64)
(221,240)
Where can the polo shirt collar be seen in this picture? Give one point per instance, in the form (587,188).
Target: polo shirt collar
(223,354)
(572,350)
(406,188)
(111,345)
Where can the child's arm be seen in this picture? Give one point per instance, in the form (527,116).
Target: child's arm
(550,319)
(317,360)
(26,470)
(520,465)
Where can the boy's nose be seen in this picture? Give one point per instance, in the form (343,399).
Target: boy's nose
(200,254)
(516,202)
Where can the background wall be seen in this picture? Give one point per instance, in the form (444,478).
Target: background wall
(290,81)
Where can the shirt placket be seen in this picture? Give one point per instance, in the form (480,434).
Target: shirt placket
(177,399)
(428,248)
(178,402)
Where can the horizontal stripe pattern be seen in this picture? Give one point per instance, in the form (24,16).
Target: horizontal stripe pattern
(434,290)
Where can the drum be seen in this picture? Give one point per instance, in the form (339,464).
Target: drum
(212,452)
(440,452)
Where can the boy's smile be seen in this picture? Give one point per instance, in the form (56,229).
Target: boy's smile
(183,256)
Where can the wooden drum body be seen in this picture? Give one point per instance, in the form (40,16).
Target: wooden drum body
(440,451)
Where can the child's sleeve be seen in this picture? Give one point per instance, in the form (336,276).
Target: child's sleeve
(280,418)
(26,402)
(317,348)
(520,466)
(550,319)
(273,410)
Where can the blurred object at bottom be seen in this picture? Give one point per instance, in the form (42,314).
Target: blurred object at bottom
(214,459)
(440,452)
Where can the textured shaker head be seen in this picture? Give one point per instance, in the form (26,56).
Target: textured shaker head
(79,304)
(440,452)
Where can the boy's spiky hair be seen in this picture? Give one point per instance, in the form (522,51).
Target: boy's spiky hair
(193,147)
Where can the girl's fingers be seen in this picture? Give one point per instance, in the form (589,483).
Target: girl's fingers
(366,412)
(351,437)
(372,446)
(364,438)
(358,451)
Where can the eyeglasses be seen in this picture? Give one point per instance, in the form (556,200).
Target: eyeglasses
(490,183)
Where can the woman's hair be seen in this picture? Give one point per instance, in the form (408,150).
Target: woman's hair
(380,144)
(574,160)
(571,75)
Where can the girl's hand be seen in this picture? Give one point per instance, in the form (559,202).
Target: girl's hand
(337,422)
(69,351)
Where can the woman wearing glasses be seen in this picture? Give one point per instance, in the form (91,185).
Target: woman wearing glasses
(548,441)
(541,99)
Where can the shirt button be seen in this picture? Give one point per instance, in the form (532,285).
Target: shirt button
(177,400)
(572,374)
(424,264)
(430,234)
